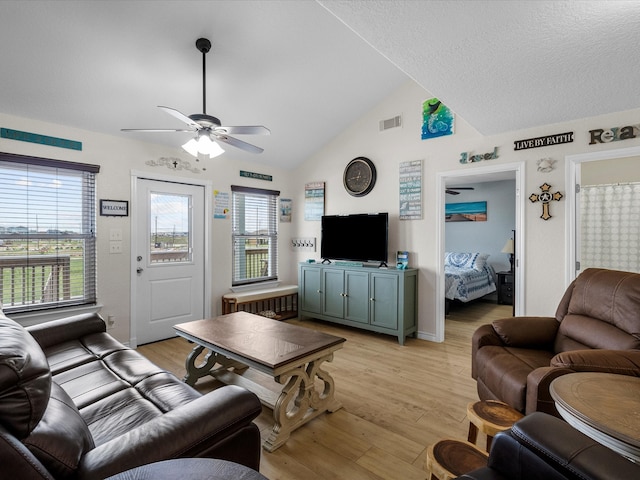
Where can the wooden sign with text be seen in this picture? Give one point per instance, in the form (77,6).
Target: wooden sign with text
(613,134)
(547,141)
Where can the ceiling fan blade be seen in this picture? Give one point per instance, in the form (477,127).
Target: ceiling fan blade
(238,143)
(181,116)
(155,130)
(461,188)
(452,192)
(245,130)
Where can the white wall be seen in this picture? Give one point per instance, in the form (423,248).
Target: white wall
(117,158)
(603,172)
(543,259)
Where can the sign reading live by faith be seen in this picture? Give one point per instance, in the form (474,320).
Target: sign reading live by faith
(556,139)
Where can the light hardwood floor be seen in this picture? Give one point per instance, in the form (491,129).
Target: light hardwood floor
(396,401)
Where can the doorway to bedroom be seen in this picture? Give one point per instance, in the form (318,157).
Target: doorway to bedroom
(481,235)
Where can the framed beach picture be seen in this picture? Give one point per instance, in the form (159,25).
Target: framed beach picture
(465,212)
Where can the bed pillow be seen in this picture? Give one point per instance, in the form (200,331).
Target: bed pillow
(473,260)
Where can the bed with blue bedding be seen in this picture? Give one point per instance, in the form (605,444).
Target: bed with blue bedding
(468,276)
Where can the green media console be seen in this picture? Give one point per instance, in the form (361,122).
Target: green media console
(380,300)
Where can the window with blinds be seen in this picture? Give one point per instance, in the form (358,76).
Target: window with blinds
(47,233)
(255,235)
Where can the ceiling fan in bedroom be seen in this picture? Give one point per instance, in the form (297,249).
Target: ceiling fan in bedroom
(210,132)
(454,190)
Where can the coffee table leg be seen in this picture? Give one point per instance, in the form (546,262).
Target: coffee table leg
(194,372)
(300,401)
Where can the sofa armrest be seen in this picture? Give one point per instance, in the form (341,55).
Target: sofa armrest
(542,446)
(191,430)
(65,329)
(622,362)
(538,394)
(527,332)
(569,451)
(483,336)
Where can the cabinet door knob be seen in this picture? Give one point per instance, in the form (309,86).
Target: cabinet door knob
(371,299)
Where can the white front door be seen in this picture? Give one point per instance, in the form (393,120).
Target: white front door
(169,258)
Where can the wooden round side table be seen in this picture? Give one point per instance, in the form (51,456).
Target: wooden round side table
(603,406)
(448,459)
(490,417)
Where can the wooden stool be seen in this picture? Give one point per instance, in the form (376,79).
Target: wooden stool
(448,459)
(490,417)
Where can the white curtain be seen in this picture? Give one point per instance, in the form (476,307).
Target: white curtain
(610,226)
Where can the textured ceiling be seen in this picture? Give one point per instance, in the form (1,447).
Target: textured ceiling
(508,65)
(308,69)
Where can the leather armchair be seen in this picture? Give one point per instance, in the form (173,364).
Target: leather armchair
(596,328)
(544,447)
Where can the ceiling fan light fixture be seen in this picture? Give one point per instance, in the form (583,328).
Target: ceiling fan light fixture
(203,144)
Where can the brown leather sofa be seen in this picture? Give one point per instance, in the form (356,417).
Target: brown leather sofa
(76,403)
(596,328)
(544,447)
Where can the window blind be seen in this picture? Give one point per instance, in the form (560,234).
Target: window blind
(47,233)
(254,235)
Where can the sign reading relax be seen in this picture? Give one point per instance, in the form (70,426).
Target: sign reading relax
(613,134)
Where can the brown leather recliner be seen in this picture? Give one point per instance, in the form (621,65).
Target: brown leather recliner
(596,328)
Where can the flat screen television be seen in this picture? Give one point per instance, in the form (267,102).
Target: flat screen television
(360,237)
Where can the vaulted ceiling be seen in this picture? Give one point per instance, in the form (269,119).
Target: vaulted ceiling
(308,69)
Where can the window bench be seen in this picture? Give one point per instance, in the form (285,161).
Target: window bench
(279,302)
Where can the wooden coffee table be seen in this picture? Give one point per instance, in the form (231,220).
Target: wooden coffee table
(604,406)
(291,354)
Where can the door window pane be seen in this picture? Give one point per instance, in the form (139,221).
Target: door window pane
(170,228)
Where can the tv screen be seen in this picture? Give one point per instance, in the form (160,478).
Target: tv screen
(360,238)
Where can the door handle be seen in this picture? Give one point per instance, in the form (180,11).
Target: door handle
(139,270)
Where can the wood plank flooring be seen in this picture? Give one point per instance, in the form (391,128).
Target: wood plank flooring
(396,401)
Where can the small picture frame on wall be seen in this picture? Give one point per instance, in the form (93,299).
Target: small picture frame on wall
(114,208)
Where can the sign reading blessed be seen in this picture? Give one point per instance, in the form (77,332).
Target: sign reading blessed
(544,141)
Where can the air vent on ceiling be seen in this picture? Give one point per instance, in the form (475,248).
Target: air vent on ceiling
(389,123)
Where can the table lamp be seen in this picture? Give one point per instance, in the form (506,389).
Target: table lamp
(508,248)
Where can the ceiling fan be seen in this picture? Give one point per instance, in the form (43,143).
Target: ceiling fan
(454,190)
(210,132)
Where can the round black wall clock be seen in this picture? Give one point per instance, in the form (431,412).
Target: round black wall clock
(359,176)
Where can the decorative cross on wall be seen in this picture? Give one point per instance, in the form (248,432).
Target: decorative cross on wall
(545,197)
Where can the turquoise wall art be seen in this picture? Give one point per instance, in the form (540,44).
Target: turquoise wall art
(437,119)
